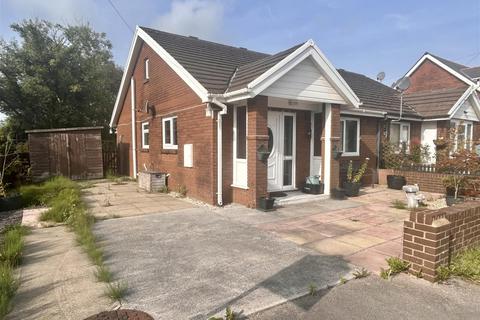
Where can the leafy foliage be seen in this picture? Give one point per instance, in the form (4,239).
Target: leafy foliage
(394,157)
(57,76)
(357,176)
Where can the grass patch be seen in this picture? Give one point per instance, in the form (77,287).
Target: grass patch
(465,265)
(43,194)
(397,265)
(8,286)
(399,204)
(63,206)
(116,291)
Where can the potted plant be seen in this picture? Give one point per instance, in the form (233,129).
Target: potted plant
(353,184)
(393,158)
(266,203)
(453,184)
(262,153)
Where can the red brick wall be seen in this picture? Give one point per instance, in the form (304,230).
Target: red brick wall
(429,76)
(431,238)
(429,182)
(170,96)
(368,149)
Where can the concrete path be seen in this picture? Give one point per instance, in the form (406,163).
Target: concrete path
(194,263)
(364,230)
(116,200)
(56,279)
(372,298)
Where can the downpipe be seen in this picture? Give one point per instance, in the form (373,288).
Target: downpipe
(220,150)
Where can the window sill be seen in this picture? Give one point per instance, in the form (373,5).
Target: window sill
(144,150)
(346,155)
(169,151)
(239,187)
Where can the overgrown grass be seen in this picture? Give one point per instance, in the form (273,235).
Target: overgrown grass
(10,256)
(395,266)
(399,204)
(63,196)
(465,265)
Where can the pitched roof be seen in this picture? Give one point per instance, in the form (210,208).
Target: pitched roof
(451,64)
(212,64)
(376,96)
(473,72)
(434,104)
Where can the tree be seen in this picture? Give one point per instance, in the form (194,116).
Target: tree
(57,76)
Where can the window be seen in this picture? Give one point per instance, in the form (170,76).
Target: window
(145,135)
(169,133)
(464,134)
(241,132)
(350,136)
(146,74)
(400,135)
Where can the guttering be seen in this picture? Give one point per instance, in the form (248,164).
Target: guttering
(215,101)
(364,112)
(134,135)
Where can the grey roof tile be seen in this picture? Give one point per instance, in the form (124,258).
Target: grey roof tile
(434,104)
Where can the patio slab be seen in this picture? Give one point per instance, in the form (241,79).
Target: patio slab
(332,246)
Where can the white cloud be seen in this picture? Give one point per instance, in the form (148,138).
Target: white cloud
(201,18)
(399,21)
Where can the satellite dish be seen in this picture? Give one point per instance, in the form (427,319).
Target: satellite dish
(380,76)
(403,84)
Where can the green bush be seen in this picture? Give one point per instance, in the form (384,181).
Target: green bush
(8,286)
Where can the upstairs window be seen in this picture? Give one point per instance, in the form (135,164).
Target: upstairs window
(145,135)
(146,74)
(169,130)
(350,136)
(400,135)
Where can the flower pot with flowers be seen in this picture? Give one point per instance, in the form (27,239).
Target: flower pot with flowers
(353,184)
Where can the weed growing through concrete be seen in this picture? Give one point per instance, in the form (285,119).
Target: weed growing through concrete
(182,191)
(385,273)
(465,265)
(116,290)
(397,265)
(312,289)
(399,204)
(361,273)
(343,280)
(103,274)
(229,315)
(443,273)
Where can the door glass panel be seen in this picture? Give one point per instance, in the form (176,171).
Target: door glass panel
(287,172)
(288,136)
(270,141)
(317,134)
(241,126)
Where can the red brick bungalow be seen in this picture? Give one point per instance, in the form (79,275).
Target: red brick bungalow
(203,111)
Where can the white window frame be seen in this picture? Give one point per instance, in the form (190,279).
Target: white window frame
(350,154)
(169,146)
(465,124)
(409,139)
(146,65)
(145,131)
(242,180)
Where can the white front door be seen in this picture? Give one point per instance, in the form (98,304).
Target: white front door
(281,144)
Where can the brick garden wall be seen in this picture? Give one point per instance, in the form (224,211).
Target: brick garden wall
(427,181)
(432,238)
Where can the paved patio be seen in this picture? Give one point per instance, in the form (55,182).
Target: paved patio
(117,200)
(364,230)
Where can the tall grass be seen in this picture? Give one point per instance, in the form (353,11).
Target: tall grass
(8,286)
(43,194)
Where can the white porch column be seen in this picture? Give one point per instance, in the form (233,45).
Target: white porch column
(327,157)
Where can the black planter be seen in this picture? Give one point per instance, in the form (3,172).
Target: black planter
(352,188)
(337,194)
(11,203)
(313,188)
(266,204)
(451,200)
(396,182)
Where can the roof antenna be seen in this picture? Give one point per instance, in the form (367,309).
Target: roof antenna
(380,76)
(402,85)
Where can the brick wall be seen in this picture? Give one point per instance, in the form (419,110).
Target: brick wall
(170,96)
(432,238)
(429,182)
(429,76)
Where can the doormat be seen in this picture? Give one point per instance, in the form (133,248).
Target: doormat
(278,194)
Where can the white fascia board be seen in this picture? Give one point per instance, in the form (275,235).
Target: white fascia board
(308,49)
(364,113)
(436,119)
(404,118)
(460,101)
(172,63)
(440,64)
(476,102)
(124,83)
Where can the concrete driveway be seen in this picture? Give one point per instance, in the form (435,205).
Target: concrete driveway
(193,263)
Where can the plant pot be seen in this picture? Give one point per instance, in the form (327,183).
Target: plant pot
(265,204)
(337,194)
(11,203)
(451,200)
(352,188)
(313,188)
(337,154)
(396,182)
(262,156)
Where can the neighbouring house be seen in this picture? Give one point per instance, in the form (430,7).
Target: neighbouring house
(206,114)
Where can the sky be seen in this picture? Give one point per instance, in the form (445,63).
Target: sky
(361,36)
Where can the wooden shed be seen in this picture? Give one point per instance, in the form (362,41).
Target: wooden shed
(72,152)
